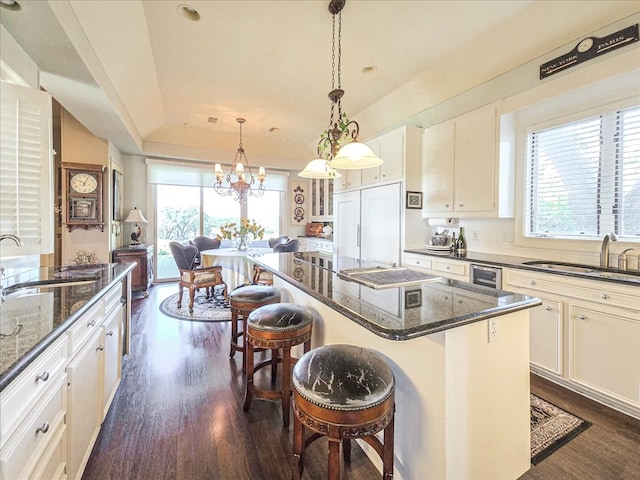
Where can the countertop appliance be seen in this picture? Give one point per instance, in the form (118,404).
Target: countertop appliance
(485,275)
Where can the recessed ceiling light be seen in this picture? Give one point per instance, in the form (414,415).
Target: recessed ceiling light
(188,12)
(12,5)
(369,70)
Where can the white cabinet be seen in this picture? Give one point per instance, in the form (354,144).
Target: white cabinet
(441,266)
(462,173)
(111,338)
(585,336)
(26,196)
(83,419)
(545,335)
(33,408)
(367,224)
(391,149)
(604,353)
(349,179)
(322,199)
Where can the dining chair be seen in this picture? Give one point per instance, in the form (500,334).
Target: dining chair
(281,239)
(192,276)
(204,243)
(291,246)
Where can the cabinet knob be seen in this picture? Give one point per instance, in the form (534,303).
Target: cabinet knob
(44,428)
(101,347)
(532,282)
(446,205)
(447,267)
(92,323)
(604,296)
(461,204)
(110,333)
(44,376)
(548,308)
(582,317)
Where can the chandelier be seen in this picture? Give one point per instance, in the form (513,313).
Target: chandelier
(241,187)
(338,147)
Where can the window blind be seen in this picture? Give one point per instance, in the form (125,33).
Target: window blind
(583,177)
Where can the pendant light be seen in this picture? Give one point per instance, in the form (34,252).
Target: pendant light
(338,147)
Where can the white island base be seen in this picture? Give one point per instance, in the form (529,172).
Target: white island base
(462,403)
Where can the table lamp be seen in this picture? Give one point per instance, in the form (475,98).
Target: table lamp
(136,217)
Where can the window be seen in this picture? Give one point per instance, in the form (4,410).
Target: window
(583,177)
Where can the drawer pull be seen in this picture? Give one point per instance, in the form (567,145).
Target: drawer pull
(446,205)
(101,347)
(447,267)
(461,204)
(92,323)
(44,376)
(44,428)
(548,308)
(582,317)
(110,333)
(532,282)
(604,296)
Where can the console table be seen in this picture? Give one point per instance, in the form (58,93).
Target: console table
(142,256)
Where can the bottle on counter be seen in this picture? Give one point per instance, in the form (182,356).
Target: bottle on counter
(461,243)
(452,248)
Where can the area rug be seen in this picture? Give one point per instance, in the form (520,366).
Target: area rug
(551,428)
(205,309)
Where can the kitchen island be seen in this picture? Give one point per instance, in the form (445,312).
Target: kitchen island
(462,394)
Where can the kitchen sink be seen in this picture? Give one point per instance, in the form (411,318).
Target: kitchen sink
(564,267)
(43,286)
(591,271)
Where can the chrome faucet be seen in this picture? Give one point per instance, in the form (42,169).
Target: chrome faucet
(19,243)
(15,238)
(604,249)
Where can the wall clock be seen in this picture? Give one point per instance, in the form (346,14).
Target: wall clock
(83,190)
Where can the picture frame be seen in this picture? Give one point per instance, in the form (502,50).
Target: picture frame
(414,200)
(82,208)
(413,298)
(117,196)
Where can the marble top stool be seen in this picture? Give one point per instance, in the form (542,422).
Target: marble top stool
(343,392)
(277,327)
(244,300)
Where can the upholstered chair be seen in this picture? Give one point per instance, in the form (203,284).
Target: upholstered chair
(291,246)
(193,277)
(205,243)
(281,239)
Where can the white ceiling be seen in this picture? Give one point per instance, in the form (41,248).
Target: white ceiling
(142,75)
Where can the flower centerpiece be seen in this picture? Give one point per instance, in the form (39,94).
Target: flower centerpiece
(241,234)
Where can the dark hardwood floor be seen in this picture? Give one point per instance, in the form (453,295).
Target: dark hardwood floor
(178,415)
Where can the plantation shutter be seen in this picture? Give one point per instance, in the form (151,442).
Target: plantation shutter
(26,196)
(583,177)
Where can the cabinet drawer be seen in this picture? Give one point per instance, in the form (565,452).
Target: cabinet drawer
(27,390)
(85,326)
(457,270)
(22,452)
(593,291)
(419,261)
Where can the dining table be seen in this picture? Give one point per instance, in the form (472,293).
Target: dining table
(237,268)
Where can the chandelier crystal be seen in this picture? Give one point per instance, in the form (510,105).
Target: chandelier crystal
(243,185)
(341,132)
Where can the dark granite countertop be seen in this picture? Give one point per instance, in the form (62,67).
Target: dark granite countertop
(398,313)
(632,277)
(45,313)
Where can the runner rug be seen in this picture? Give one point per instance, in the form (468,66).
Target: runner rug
(551,428)
(205,309)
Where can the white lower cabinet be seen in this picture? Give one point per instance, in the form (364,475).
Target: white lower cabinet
(585,336)
(603,353)
(545,335)
(83,418)
(52,412)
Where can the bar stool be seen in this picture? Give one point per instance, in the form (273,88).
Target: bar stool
(276,327)
(343,392)
(243,301)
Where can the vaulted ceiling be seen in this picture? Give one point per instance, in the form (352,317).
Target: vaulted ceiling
(143,75)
